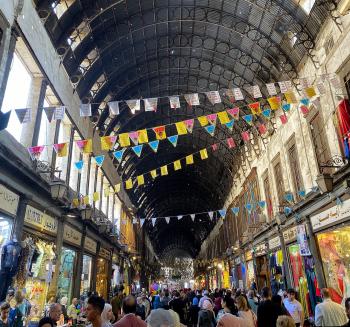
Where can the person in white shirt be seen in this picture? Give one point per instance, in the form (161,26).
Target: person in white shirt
(329,313)
(294,308)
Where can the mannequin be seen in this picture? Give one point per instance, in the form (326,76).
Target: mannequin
(10,255)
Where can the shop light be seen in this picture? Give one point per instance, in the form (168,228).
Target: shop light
(58,189)
(86,213)
(325,182)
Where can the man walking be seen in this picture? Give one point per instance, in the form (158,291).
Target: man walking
(329,313)
(55,312)
(129,318)
(294,308)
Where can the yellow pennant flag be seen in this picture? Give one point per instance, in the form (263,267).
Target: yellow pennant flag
(177,165)
(106,192)
(140,180)
(189,159)
(223,117)
(61,149)
(203,120)
(164,170)
(204,154)
(310,92)
(75,203)
(181,128)
(143,136)
(86,199)
(85,145)
(96,196)
(154,173)
(117,188)
(124,140)
(274,102)
(107,142)
(290,97)
(128,184)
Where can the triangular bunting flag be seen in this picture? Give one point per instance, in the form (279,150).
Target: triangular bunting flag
(189,159)
(143,136)
(117,188)
(140,180)
(289,197)
(222,213)
(255,108)
(138,149)
(256,91)
(238,94)
(210,129)
(24,115)
(234,112)
(119,154)
(248,119)
(79,164)
(99,160)
(290,97)
(283,86)
(4,119)
(96,196)
(203,120)
(193,216)
(128,184)
(212,118)
(164,170)
(49,111)
(134,105)
(113,108)
(223,117)
(230,94)
(262,204)
(262,129)
(160,132)
(177,165)
(286,107)
(86,200)
(231,143)
(287,210)
(304,110)
(214,146)
(192,99)
(211,214)
(245,136)
(321,88)
(213,97)
(142,221)
(134,137)
(35,151)
(107,142)
(271,88)
(310,92)
(189,125)
(85,110)
(154,221)
(124,140)
(181,128)
(151,104)
(154,173)
(154,145)
(266,113)
(167,219)
(59,113)
(235,210)
(274,102)
(302,193)
(179,217)
(204,154)
(305,101)
(230,124)
(61,149)
(249,207)
(174,102)
(84,145)
(173,140)
(284,119)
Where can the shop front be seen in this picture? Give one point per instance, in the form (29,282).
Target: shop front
(67,276)
(261,264)
(250,274)
(8,210)
(90,247)
(332,230)
(277,275)
(38,259)
(103,265)
(116,272)
(226,276)
(302,267)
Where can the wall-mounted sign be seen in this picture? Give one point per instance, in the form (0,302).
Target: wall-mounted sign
(71,235)
(260,249)
(90,245)
(36,218)
(290,234)
(8,200)
(104,253)
(274,243)
(331,215)
(302,240)
(248,255)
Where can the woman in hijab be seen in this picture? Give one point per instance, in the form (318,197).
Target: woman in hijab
(193,312)
(206,315)
(107,315)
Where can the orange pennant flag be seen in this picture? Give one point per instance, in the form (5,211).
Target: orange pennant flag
(160,132)
(274,102)
(255,108)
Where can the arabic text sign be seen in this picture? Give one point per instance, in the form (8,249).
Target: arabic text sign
(8,200)
(71,235)
(37,218)
(90,245)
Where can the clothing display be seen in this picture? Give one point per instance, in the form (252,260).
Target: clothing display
(335,254)
(276,271)
(66,276)
(101,277)
(250,273)
(86,275)
(262,272)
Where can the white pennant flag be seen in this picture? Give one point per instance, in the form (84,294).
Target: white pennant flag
(283,87)
(271,88)
(213,97)
(174,102)
(192,99)
(211,214)
(238,94)
(85,110)
(59,113)
(142,221)
(256,92)
(193,216)
(113,108)
(179,217)
(151,104)
(304,82)
(134,105)
(335,82)
(321,88)
(167,219)
(154,221)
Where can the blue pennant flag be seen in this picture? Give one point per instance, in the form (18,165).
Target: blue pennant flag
(249,207)
(248,119)
(119,155)
(262,204)
(230,124)
(305,102)
(267,113)
(79,165)
(99,160)
(210,129)
(138,149)
(314,189)
(173,140)
(289,197)
(222,213)
(302,193)
(339,202)
(235,210)
(286,107)
(287,210)
(154,145)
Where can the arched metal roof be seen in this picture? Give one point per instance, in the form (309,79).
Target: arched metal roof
(125,49)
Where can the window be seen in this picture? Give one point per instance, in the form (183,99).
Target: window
(279,181)
(60,7)
(268,197)
(92,177)
(319,140)
(295,168)
(307,5)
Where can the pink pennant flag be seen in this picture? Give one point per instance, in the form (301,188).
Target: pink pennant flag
(134,136)
(234,112)
(262,129)
(245,136)
(214,147)
(35,151)
(189,125)
(284,119)
(304,110)
(212,118)
(231,143)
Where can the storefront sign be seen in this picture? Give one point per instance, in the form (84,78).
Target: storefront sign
(104,253)
(248,255)
(290,234)
(90,245)
(8,200)
(302,240)
(274,243)
(331,215)
(260,249)
(71,235)
(237,260)
(38,219)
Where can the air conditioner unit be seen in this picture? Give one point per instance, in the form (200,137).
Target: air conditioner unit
(344,7)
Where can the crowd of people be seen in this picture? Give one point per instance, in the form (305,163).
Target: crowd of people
(201,308)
